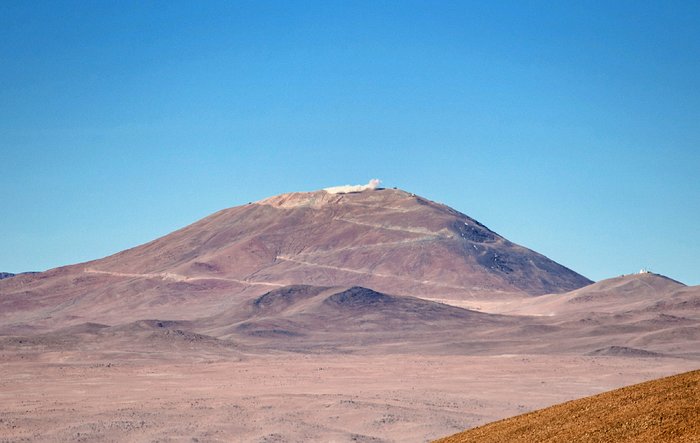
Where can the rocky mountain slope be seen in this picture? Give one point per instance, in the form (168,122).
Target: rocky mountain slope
(384,239)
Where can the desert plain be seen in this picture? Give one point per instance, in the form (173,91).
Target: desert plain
(268,398)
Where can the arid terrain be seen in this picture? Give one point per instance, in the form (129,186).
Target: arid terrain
(369,316)
(665,410)
(293,397)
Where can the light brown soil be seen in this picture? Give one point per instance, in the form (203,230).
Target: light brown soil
(664,410)
(66,396)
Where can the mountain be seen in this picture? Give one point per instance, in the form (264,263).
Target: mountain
(10,274)
(317,270)
(631,315)
(614,295)
(387,240)
(663,410)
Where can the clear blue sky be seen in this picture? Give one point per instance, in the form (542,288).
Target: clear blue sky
(572,128)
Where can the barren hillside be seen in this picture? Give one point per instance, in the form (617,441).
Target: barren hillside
(664,410)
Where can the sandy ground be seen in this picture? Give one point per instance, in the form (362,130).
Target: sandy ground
(294,397)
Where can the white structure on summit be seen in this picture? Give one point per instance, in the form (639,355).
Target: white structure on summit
(644,271)
(373,184)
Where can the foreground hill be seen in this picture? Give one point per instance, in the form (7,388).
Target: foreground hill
(664,410)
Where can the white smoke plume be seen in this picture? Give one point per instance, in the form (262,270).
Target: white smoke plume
(373,184)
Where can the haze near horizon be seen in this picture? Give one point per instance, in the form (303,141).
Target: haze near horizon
(570,129)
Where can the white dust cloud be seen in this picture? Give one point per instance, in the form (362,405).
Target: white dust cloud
(373,184)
